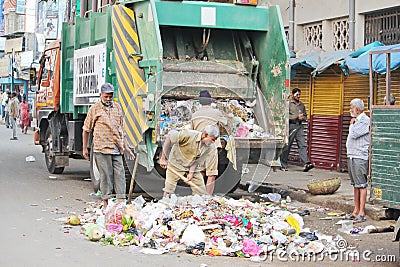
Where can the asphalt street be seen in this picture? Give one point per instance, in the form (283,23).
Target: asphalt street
(35,204)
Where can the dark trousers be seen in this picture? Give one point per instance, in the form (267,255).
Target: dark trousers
(296,132)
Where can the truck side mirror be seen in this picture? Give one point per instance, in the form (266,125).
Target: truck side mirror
(45,83)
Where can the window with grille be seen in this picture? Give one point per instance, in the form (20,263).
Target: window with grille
(383,26)
(340,30)
(10,23)
(287,34)
(20,23)
(313,35)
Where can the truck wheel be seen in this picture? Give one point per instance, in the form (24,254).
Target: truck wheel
(229,178)
(49,156)
(94,172)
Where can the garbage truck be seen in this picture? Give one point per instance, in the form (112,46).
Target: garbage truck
(159,55)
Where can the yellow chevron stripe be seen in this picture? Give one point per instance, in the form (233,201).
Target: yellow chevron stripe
(130,78)
(137,78)
(128,116)
(127,25)
(123,89)
(130,136)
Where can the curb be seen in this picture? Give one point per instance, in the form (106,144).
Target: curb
(335,201)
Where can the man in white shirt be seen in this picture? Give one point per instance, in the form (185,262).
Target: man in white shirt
(3,103)
(357,146)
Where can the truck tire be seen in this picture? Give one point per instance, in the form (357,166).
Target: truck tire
(228,173)
(48,154)
(94,172)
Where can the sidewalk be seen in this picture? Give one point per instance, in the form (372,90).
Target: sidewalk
(295,183)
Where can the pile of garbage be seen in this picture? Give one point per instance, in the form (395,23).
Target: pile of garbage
(204,225)
(241,118)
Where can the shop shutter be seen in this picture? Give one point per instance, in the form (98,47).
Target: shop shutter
(326,107)
(324,141)
(326,96)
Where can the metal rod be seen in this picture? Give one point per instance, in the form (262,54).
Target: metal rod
(12,70)
(291,24)
(83,9)
(371,84)
(352,22)
(388,79)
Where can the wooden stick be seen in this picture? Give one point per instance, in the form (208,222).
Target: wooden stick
(133,178)
(183,178)
(381,230)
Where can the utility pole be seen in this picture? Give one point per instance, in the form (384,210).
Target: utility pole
(12,70)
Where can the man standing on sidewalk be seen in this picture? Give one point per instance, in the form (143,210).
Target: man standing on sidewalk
(105,119)
(3,103)
(297,115)
(357,145)
(14,113)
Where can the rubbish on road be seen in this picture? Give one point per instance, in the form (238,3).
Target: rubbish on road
(98,193)
(192,235)
(372,229)
(72,219)
(52,177)
(324,187)
(356,230)
(347,225)
(94,232)
(335,214)
(30,159)
(326,218)
(203,225)
(273,197)
(304,213)
(34,204)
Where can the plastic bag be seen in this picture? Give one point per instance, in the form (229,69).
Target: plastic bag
(114,214)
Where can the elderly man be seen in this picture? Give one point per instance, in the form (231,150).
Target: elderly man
(105,119)
(357,152)
(190,149)
(208,115)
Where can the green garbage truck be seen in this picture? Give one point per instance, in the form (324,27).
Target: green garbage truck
(159,55)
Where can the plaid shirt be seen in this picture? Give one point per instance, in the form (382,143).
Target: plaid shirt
(108,127)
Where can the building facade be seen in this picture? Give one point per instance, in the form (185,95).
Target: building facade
(324,24)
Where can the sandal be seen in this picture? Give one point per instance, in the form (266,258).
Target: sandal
(359,219)
(349,216)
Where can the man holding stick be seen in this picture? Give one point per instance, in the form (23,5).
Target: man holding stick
(190,149)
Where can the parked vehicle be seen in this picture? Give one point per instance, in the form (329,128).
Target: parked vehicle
(151,53)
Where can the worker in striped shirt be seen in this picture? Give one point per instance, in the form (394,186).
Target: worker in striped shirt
(357,145)
(105,119)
